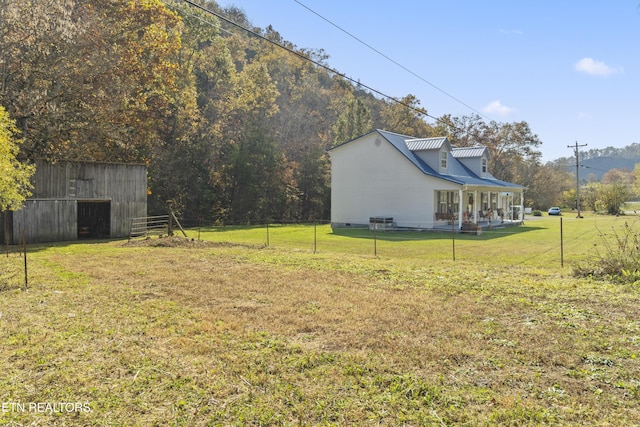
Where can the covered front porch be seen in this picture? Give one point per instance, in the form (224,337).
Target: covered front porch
(484,206)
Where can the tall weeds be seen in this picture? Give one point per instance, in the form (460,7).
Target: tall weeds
(617,257)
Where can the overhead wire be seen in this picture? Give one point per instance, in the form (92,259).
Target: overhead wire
(419,77)
(199,18)
(420,111)
(594,168)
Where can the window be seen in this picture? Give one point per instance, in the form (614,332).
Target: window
(444,156)
(484,165)
(448,202)
(484,201)
(494,201)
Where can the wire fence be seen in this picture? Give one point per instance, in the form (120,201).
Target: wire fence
(532,242)
(552,242)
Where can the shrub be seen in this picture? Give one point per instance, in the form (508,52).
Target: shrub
(617,258)
(537,212)
(469,227)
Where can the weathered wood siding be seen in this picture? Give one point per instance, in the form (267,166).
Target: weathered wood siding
(46,221)
(114,181)
(51,212)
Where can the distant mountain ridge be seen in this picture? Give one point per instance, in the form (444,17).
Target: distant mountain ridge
(600,161)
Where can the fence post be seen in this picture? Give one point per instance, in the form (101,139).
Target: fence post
(453,239)
(375,239)
(24,250)
(561,245)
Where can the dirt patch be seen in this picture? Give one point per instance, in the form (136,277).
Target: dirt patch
(174,242)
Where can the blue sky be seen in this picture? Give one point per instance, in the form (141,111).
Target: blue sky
(569,68)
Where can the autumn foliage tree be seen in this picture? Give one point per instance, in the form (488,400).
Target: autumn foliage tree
(233,127)
(89,80)
(14,175)
(515,155)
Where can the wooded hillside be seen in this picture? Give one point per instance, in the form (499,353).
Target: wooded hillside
(233,126)
(596,162)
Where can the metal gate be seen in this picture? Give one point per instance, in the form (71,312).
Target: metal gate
(149,225)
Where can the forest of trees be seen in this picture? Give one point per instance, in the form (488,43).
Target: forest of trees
(234,129)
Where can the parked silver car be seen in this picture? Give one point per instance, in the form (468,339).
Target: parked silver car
(554,211)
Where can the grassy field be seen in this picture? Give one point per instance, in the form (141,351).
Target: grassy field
(314,329)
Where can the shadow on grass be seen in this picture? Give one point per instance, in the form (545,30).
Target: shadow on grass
(41,246)
(425,235)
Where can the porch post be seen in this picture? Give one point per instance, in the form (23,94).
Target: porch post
(490,206)
(475,207)
(522,206)
(513,198)
(460,204)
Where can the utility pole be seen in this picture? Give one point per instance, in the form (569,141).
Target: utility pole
(575,147)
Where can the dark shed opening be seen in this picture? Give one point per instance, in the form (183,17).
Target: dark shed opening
(94,219)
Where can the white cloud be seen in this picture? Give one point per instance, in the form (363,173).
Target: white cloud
(496,107)
(596,68)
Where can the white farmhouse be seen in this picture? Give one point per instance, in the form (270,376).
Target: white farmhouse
(394,180)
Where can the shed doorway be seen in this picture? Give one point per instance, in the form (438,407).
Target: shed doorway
(94,219)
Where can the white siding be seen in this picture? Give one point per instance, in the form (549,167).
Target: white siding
(370,178)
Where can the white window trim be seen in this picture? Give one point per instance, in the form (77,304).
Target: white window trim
(444,157)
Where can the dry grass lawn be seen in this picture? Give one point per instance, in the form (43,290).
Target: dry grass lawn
(214,334)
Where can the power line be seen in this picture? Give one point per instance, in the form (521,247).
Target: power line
(199,18)
(581,165)
(420,111)
(390,59)
(591,167)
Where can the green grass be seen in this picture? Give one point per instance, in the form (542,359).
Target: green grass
(540,241)
(240,333)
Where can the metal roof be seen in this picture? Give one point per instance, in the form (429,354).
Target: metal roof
(458,172)
(468,152)
(425,144)
(399,142)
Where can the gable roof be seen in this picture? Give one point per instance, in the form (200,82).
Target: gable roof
(476,151)
(399,142)
(458,172)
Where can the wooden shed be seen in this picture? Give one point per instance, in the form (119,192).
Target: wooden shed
(75,200)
